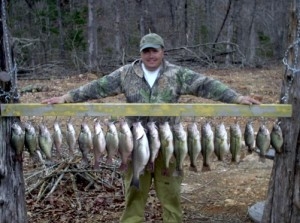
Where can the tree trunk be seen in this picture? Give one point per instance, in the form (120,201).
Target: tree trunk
(61,31)
(118,32)
(283,200)
(92,37)
(12,187)
(12,196)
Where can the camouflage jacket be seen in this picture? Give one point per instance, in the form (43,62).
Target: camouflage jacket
(172,81)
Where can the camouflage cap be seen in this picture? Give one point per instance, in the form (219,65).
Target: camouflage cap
(151,40)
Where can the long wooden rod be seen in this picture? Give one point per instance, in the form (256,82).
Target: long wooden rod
(145,109)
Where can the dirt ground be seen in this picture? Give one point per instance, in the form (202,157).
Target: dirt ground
(223,194)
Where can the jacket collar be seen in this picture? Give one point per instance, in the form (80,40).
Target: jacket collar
(137,67)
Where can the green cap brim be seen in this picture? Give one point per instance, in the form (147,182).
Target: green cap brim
(149,46)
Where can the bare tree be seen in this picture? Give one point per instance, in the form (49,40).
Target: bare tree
(178,12)
(92,37)
(12,197)
(283,200)
(61,33)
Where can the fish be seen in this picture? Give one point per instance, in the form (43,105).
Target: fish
(57,138)
(140,153)
(125,144)
(85,142)
(154,143)
(276,138)
(235,142)
(180,147)
(249,137)
(45,141)
(17,140)
(207,145)
(31,139)
(167,145)
(194,145)
(221,146)
(71,138)
(263,141)
(112,142)
(99,143)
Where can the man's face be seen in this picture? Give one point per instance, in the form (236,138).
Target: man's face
(152,58)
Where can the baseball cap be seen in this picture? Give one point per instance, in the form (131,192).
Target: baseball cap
(151,40)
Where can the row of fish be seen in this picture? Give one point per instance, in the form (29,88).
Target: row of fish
(142,145)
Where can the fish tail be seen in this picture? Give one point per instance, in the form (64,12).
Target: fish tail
(220,158)
(177,173)
(109,161)
(250,150)
(206,167)
(96,165)
(150,167)
(135,182)
(193,168)
(19,158)
(123,167)
(234,159)
(165,172)
(262,158)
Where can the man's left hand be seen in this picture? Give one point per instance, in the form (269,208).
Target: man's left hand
(247,100)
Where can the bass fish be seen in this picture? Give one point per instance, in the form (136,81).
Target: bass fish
(167,145)
(220,141)
(45,141)
(125,144)
(112,142)
(17,140)
(276,138)
(85,142)
(249,137)
(263,141)
(207,145)
(235,142)
(141,153)
(154,143)
(57,138)
(194,145)
(99,144)
(31,140)
(180,148)
(71,137)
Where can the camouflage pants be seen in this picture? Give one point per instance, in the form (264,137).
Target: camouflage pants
(167,189)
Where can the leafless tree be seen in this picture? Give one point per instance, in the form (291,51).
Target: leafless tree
(283,200)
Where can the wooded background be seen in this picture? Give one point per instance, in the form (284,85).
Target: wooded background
(98,35)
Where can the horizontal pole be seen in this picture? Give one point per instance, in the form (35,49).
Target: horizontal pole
(145,109)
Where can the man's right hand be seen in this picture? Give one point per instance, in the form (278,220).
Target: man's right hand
(54,100)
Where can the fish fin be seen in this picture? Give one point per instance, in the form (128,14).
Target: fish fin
(135,182)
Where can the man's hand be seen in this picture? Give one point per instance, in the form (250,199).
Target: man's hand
(247,100)
(54,100)
(66,98)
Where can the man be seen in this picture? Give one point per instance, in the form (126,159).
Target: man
(152,79)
